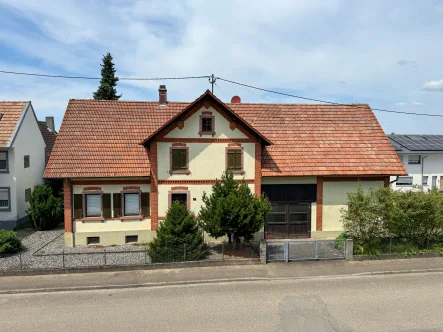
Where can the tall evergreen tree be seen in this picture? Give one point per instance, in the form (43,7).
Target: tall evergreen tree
(108,82)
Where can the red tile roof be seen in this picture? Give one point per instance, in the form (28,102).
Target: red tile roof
(49,138)
(11,112)
(102,139)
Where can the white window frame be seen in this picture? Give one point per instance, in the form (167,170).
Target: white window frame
(425,180)
(5,170)
(8,190)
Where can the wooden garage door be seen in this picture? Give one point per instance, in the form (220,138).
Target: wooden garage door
(288,221)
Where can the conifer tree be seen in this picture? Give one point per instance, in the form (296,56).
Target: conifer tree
(108,82)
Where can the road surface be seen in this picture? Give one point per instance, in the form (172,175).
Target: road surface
(404,302)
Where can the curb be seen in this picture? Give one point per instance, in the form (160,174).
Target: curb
(209,281)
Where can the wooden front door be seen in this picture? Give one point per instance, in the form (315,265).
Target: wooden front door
(288,221)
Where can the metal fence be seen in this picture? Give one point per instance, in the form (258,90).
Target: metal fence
(299,250)
(123,256)
(394,244)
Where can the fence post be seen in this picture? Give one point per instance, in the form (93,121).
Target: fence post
(184,252)
(263,252)
(286,251)
(63,257)
(390,244)
(349,249)
(427,244)
(223,250)
(21,262)
(146,255)
(105,257)
(316,249)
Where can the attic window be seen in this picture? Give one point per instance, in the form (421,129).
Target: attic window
(207,124)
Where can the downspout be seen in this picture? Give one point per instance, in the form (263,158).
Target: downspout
(395,180)
(422,168)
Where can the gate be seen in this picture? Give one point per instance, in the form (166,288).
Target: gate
(300,250)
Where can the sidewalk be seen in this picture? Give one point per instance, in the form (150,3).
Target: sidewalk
(146,278)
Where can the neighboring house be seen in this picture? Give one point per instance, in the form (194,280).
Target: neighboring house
(22,160)
(422,156)
(124,162)
(49,134)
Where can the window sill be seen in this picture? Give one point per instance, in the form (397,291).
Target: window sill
(187,172)
(4,172)
(5,210)
(208,133)
(93,219)
(242,172)
(138,217)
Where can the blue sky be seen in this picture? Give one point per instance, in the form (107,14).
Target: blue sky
(385,53)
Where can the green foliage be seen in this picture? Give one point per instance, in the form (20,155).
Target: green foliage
(56,186)
(46,210)
(9,242)
(179,237)
(108,82)
(233,210)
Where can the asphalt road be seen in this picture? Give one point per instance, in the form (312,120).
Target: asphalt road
(404,302)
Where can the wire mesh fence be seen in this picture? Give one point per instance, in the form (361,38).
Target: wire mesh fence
(397,245)
(87,257)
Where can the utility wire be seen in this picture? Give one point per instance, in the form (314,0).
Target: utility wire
(323,101)
(98,78)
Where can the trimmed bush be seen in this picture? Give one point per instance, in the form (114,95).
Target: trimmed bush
(46,210)
(9,242)
(179,237)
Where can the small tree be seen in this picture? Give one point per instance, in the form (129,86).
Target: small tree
(179,237)
(233,210)
(45,210)
(9,242)
(108,82)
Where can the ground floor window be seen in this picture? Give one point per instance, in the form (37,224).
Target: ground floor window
(131,204)
(93,206)
(5,199)
(183,197)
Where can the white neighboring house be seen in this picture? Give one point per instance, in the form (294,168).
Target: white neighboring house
(22,160)
(422,157)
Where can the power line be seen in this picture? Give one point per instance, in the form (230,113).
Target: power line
(98,78)
(322,101)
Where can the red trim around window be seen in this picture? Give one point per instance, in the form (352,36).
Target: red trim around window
(181,171)
(92,192)
(188,197)
(237,171)
(206,115)
(131,191)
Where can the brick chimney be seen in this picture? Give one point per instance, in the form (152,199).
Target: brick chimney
(50,123)
(162,95)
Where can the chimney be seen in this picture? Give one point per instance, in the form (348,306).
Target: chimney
(162,95)
(235,100)
(50,123)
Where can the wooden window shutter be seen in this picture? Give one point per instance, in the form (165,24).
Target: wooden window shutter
(107,211)
(117,198)
(145,205)
(78,206)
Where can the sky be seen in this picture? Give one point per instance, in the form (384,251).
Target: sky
(385,53)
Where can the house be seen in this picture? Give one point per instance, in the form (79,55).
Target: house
(22,160)
(47,128)
(422,156)
(124,162)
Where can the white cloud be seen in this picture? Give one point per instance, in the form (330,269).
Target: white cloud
(433,85)
(400,104)
(416,103)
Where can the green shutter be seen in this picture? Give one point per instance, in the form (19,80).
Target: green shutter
(107,211)
(78,206)
(117,198)
(145,205)
(183,159)
(238,159)
(175,159)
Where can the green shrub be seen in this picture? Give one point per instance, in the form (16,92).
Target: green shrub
(179,237)
(9,242)
(46,210)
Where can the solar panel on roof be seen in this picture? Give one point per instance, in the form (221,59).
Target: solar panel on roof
(426,143)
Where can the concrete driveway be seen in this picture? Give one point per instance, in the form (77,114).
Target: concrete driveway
(403,302)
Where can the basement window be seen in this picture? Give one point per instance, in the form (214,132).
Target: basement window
(131,239)
(93,240)
(404,181)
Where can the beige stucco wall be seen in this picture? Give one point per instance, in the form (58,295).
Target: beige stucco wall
(335,198)
(111,225)
(196,191)
(192,127)
(207,161)
(113,238)
(289,180)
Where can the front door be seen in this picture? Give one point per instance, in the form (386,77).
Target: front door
(288,221)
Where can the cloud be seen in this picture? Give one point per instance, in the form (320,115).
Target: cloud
(406,63)
(416,103)
(400,104)
(433,85)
